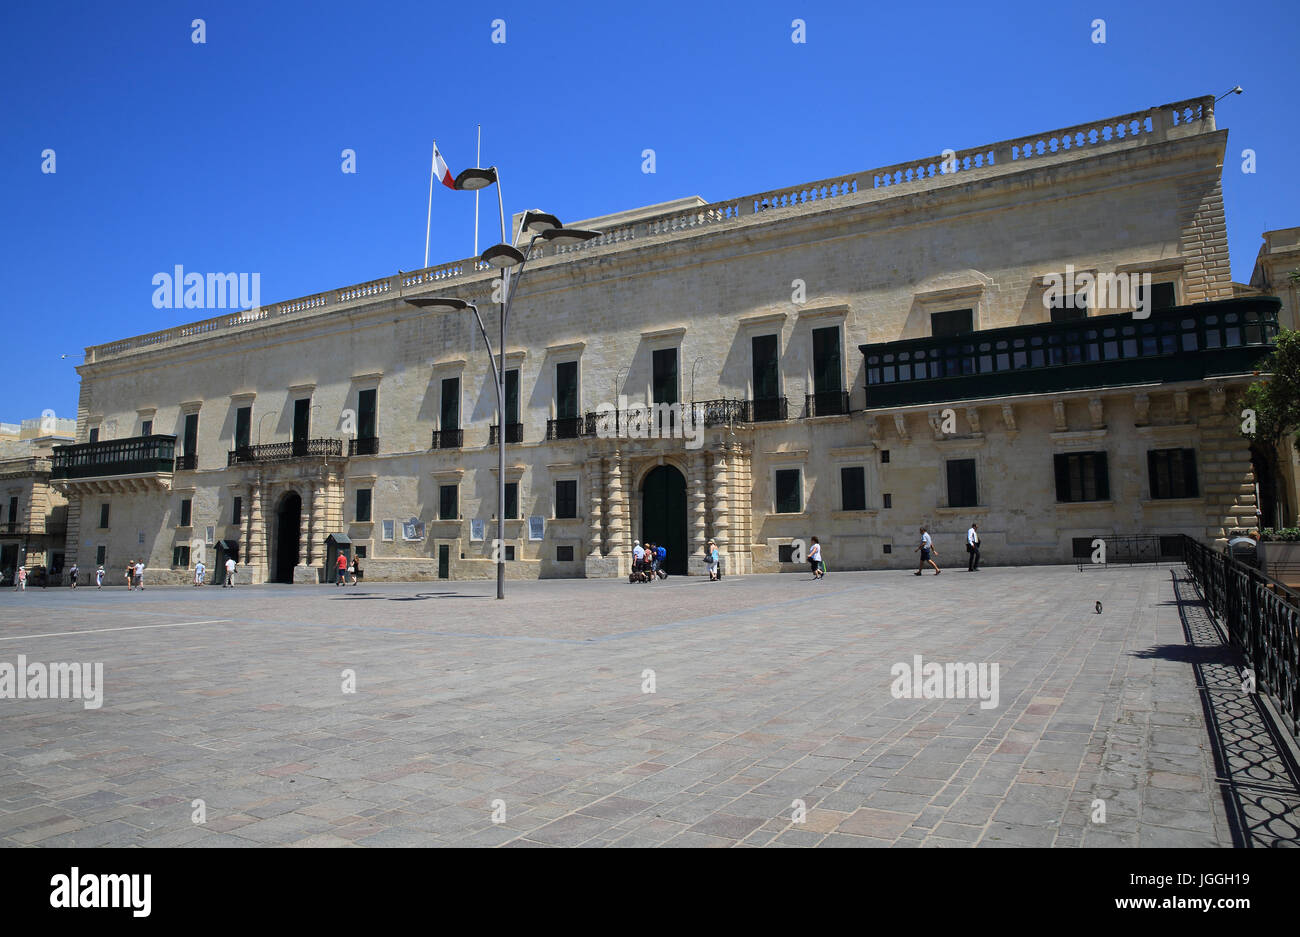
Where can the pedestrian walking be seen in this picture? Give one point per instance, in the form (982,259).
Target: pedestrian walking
(199,570)
(139,575)
(973,548)
(357,572)
(20,580)
(342,566)
(711,561)
(72,576)
(130,576)
(99,577)
(661,556)
(230,573)
(926,546)
(815,559)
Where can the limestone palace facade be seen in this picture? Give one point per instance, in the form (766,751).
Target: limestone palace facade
(914,344)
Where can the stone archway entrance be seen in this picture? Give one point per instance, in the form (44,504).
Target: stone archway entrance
(288,537)
(663,515)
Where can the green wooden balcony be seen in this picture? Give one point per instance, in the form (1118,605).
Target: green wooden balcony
(1185,343)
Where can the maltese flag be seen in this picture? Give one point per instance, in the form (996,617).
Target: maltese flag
(440,168)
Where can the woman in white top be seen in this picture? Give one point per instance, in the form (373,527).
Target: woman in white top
(815,559)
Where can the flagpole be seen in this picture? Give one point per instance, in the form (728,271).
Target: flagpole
(478,161)
(429,219)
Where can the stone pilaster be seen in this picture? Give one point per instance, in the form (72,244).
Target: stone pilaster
(617,508)
(596,502)
(699,532)
(721,506)
(256,535)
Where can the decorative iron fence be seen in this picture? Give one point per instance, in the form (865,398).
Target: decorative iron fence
(827,403)
(286,451)
(447,439)
(769,409)
(1262,618)
(1127,551)
(368,445)
(514,433)
(571,428)
(187,463)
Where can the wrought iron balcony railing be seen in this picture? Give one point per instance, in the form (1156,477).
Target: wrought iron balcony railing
(827,403)
(447,439)
(721,412)
(514,433)
(365,446)
(571,428)
(12,528)
(187,463)
(1185,343)
(769,409)
(136,455)
(287,451)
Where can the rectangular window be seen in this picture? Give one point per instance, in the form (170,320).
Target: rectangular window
(887,548)
(367,408)
(512,396)
(789,496)
(360,551)
(387,530)
(181,557)
(664,367)
(1172,473)
(785,553)
(94,434)
(510,552)
(566,498)
(243,427)
(146,427)
(961,483)
(951,323)
(828,374)
(1081,547)
(1082,476)
(853,488)
(887,500)
(1163,296)
(237,513)
(103,515)
(564,554)
(512,500)
(100,555)
(13,510)
(363,505)
(448,506)
(450,411)
(766,367)
(884,456)
(566,390)
(191,438)
(301,426)
(186,506)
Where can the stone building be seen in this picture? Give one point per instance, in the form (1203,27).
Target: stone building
(33,514)
(1039,334)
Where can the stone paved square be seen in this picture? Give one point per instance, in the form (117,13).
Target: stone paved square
(768,690)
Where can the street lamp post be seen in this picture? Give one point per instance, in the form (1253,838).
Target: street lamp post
(505,257)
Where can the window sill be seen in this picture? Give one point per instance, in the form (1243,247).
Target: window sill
(979,510)
(1172,502)
(1083,505)
(802,515)
(863,512)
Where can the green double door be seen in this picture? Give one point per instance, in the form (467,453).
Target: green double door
(663,515)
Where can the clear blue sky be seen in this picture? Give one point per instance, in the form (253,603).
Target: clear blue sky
(225,156)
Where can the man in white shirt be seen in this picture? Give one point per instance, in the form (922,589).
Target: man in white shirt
(973,548)
(139,575)
(230,572)
(638,555)
(926,546)
(198,573)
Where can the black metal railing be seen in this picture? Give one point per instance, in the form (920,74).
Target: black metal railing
(1128,551)
(1262,618)
(12,528)
(447,439)
(368,445)
(287,451)
(136,455)
(571,428)
(720,412)
(187,463)
(769,409)
(1180,344)
(827,403)
(514,433)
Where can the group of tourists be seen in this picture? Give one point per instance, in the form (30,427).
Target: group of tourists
(347,567)
(648,562)
(928,552)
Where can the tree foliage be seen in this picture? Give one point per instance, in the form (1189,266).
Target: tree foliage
(1275,397)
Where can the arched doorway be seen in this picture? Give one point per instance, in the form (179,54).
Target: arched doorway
(288,533)
(663,514)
